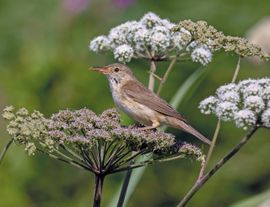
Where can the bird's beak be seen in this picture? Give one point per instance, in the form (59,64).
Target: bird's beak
(104,70)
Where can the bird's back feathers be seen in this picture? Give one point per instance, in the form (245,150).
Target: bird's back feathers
(142,95)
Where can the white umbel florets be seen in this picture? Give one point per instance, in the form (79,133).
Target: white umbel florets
(231,96)
(208,105)
(100,44)
(246,103)
(231,87)
(150,20)
(245,83)
(225,110)
(155,38)
(266,118)
(254,103)
(119,35)
(245,118)
(201,55)
(264,82)
(266,93)
(159,39)
(123,53)
(252,89)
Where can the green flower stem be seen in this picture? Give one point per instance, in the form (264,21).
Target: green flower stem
(151,83)
(117,160)
(164,78)
(236,72)
(210,151)
(216,167)
(123,192)
(71,152)
(94,157)
(147,162)
(89,160)
(130,158)
(3,153)
(114,155)
(98,189)
(71,162)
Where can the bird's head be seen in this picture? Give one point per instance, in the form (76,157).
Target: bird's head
(115,72)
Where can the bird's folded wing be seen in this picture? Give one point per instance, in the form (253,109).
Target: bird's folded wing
(142,95)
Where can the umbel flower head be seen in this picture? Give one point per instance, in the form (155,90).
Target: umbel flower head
(95,143)
(246,103)
(159,39)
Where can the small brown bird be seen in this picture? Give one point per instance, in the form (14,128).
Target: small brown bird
(140,103)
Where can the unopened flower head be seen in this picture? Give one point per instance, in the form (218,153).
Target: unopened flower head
(203,33)
(247,103)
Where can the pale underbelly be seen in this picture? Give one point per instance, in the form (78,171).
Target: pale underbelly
(138,112)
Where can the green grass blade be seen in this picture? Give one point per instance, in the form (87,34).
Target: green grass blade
(193,80)
(262,199)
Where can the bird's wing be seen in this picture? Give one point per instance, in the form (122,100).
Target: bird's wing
(142,95)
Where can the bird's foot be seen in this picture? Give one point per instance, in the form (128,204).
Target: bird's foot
(148,128)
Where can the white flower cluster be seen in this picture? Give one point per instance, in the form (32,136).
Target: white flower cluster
(153,38)
(245,103)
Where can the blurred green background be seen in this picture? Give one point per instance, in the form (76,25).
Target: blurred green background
(44,61)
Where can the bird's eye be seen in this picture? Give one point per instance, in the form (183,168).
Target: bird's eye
(116,69)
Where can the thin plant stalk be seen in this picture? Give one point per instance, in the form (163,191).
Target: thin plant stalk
(151,83)
(3,153)
(236,72)
(99,180)
(166,75)
(211,149)
(124,188)
(216,167)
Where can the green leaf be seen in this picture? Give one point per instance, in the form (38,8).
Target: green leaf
(262,199)
(193,80)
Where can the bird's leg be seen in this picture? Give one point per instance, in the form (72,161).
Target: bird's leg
(155,124)
(138,125)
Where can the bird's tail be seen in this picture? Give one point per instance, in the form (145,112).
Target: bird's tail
(189,129)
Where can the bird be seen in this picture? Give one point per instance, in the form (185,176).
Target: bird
(140,103)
